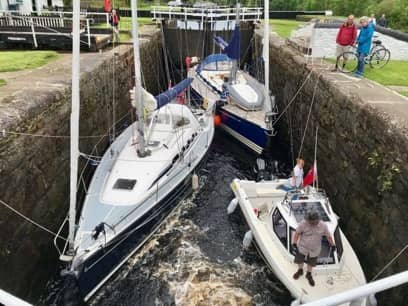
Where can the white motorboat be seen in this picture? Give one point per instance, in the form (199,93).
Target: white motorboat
(273,213)
(139,180)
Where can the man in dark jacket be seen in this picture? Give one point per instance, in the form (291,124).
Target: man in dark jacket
(346,38)
(383,21)
(364,40)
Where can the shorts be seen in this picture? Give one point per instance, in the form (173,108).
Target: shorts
(341,49)
(300,258)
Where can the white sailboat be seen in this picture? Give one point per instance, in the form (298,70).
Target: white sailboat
(245,106)
(139,180)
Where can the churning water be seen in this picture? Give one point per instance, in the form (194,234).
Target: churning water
(196,257)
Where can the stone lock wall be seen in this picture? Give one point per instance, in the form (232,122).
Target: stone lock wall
(34,171)
(362,160)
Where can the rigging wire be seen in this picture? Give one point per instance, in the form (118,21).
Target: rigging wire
(31,221)
(293,98)
(308,116)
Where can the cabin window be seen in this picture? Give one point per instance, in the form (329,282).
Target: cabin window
(280,227)
(160,118)
(291,234)
(339,243)
(124,184)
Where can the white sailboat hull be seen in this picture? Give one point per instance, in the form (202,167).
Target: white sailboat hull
(131,217)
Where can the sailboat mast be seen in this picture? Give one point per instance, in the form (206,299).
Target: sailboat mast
(138,79)
(74,145)
(235,61)
(266,48)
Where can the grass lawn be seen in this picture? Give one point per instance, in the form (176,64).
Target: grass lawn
(125,23)
(284,27)
(125,36)
(2,82)
(394,73)
(20,60)
(404,93)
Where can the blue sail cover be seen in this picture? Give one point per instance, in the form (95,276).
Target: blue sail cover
(170,94)
(233,48)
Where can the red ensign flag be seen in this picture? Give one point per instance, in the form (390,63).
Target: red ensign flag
(310,176)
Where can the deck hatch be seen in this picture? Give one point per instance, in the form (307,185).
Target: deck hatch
(124,184)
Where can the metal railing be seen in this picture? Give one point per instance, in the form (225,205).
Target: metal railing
(92,16)
(51,24)
(209,14)
(367,290)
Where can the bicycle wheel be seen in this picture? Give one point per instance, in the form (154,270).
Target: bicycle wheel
(347,62)
(380,58)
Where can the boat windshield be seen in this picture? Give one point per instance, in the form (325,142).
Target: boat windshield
(218,66)
(216,62)
(299,209)
(326,255)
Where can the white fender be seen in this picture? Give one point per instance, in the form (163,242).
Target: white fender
(247,239)
(372,301)
(232,206)
(194,181)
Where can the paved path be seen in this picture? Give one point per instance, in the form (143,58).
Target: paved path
(393,105)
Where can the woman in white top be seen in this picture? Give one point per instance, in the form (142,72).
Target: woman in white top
(297,177)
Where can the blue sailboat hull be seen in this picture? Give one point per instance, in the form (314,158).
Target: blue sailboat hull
(248,133)
(253,136)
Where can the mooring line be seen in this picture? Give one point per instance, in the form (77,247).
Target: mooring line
(390,263)
(293,98)
(32,221)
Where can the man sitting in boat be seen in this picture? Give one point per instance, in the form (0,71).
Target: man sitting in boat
(296,180)
(307,243)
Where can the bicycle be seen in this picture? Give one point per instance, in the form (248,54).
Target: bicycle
(378,57)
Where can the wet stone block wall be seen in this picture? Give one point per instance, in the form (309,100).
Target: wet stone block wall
(362,161)
(34,171)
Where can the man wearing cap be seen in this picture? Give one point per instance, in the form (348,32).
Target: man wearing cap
(307,243)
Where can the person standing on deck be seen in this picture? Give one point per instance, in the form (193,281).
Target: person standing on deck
(114,19)
(307,243)
(346,38)
(296,180)
(364,44)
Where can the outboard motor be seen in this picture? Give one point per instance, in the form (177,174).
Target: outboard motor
(260,170)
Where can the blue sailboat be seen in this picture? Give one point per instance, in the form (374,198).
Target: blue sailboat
(244,104)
